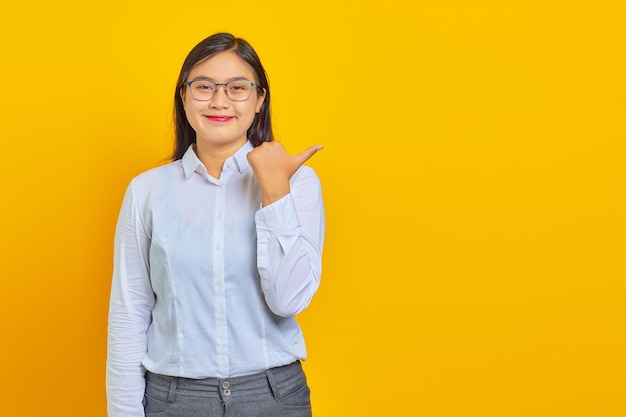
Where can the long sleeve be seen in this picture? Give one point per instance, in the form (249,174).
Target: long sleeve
(290,236)
(131,303)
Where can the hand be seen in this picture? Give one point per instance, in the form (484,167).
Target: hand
(273,168)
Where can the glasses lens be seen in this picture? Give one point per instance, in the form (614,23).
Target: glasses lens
(239,90)
(202,90)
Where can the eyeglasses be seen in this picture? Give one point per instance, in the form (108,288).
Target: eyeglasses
(236,90)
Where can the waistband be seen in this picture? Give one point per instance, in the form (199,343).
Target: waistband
(272,381)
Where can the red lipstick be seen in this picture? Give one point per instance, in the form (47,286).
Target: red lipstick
(219,118)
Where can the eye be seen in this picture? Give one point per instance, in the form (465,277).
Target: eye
(238,86)
(204,86)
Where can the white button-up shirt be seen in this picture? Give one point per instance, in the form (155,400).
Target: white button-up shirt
(206,283)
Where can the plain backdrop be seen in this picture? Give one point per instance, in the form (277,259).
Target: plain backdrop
(473,175)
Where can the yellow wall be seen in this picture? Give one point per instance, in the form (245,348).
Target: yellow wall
(473,172)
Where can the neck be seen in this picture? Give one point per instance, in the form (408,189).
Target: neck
(213,156)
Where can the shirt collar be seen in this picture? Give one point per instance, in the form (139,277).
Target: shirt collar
(241,156)
(191,163)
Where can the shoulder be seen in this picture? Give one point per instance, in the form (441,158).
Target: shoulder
(306,176)
(305,181)
(154,182)
(305,173)
(157,175)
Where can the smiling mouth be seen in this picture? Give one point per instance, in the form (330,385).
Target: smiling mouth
(220,118)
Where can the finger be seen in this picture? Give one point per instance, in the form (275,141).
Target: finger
(304,156)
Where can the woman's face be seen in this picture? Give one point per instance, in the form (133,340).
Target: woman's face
(221,121)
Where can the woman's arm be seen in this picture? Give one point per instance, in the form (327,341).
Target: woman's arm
(290,229)
(130,309)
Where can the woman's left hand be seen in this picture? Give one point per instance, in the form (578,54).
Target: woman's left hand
(273,167)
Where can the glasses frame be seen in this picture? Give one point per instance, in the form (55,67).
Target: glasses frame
(217,85)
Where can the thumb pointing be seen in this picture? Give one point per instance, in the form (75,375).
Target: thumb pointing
(307,154)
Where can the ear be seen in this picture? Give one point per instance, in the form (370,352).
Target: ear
(182,93)
(259,101)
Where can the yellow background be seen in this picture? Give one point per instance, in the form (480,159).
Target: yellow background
(473,173)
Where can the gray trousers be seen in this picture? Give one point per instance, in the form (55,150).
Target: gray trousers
(278,392)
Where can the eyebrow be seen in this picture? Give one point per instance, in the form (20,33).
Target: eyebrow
(213,79)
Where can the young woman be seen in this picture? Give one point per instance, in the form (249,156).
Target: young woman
(215,253)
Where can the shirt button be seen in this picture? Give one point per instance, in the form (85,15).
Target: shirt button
(218,282)
(219,216)
(217,246)
(221,317)
(262,222)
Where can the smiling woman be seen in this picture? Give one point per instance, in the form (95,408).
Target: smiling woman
(247,65)
(215,253)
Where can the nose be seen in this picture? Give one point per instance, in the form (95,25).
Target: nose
(220,99)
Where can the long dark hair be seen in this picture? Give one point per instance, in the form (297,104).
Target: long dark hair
(261,129)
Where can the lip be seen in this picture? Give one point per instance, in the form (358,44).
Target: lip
(221,119)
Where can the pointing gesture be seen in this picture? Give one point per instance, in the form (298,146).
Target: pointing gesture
(273,168)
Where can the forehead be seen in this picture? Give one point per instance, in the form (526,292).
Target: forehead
(222,66)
